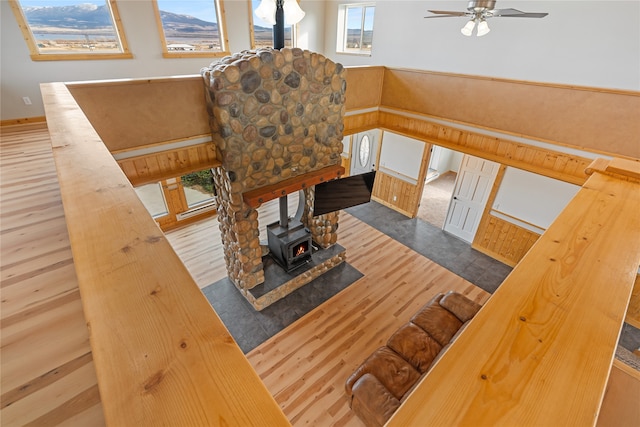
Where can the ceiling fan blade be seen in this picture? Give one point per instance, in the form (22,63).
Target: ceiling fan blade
(444,16)
(445,13)
(515,13)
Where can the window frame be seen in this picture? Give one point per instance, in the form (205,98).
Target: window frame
(36,55)
(341,40)
(222,28)
(252,34)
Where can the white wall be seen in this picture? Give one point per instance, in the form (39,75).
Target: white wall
(401,156)
(447,160)
(20,76)
(590,43)
(532,198)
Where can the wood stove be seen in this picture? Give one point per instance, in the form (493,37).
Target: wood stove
(289,241)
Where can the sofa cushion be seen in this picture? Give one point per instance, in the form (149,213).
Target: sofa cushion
(438,322)
(461,306)
(415,346)
(395,373)
(372,402)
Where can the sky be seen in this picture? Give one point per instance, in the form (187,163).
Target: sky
(204,10)
(200,9)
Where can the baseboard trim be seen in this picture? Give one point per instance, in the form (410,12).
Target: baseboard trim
(23,121)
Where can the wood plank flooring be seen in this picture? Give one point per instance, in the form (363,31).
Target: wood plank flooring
(48,377)
(306,365)
(47,374)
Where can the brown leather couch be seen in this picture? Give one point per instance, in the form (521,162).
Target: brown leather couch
(380,384)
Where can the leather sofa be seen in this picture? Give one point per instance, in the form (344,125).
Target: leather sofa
(385,379)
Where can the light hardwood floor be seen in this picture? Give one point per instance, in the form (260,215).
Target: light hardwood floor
(48,377)
(47,373)
(306,365)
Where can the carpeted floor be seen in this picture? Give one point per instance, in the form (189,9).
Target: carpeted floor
(435,199)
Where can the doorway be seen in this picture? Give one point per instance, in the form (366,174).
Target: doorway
(444,165)
(470,195)
(364,152)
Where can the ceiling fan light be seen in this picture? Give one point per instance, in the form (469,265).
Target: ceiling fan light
(468,28)
(483,28)
(292,11)
(267,11)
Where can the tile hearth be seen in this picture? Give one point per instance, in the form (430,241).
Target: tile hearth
(279,283)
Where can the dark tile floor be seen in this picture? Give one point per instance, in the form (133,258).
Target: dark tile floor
(452,253)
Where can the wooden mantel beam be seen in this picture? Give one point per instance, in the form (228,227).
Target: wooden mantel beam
(255,198)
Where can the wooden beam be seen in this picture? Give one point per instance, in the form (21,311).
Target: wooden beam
(550,328)
(619,168)
(162,355)
(255,198)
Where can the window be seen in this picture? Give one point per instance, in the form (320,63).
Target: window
(365,149)
(172,201)
(198,188)
(71,29)
(355,29)
(262,32)
(191,28)
(152,198)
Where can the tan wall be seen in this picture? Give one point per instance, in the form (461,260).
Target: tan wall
(134,113)
(590,118)
(620,404)
(364,87)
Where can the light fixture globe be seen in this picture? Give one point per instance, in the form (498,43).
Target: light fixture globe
(483,28)
(267,11)
(468,28)
(292,12)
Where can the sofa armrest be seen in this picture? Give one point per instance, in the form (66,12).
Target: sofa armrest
(372,402)
(462,307)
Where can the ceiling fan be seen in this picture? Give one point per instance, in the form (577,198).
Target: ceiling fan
(479,11)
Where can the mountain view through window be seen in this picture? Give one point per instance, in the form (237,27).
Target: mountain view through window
(191,25)
(68,26)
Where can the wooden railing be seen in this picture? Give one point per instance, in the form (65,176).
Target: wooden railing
(540,350)
(162,355)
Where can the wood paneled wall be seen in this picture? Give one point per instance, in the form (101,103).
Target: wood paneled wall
(503,240)
(601,120)
(387,188)
(360,122)
(168,164)
(554,164)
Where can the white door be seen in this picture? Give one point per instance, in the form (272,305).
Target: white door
(470,195)
(365,150)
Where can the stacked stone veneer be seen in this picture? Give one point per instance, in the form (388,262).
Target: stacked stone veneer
(274,115)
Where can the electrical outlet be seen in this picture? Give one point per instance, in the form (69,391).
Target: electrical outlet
(27,100)
(395,198)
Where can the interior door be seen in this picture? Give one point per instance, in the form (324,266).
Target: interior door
(470,195)
(365,150)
